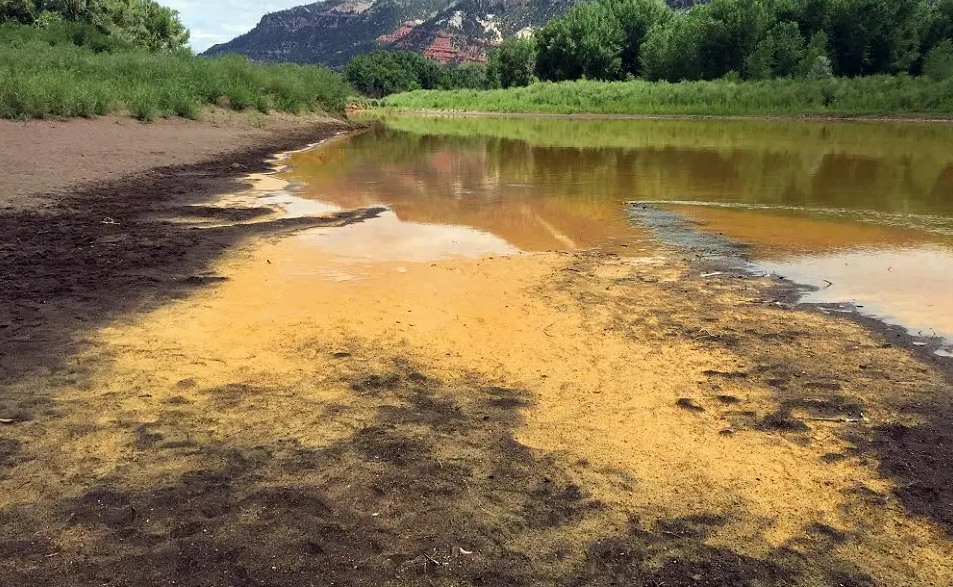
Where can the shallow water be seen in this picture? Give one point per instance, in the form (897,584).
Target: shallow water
(861,210)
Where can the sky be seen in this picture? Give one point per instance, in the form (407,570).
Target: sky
(217,21)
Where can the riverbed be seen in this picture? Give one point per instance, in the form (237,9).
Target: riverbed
(516,352)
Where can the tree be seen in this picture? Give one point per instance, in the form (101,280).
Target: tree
(815,64)
(144,23)
(425,73)
(874,36)
(159,28)
(811,16)
(938,63)
(778,54)
(380,73)
(636,17)
(21,11)
(586,41)
(511,63)
(468,76)
(730,33)
(672,48)
(936,23)
(760,64)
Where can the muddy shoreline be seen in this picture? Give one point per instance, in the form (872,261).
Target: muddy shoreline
(561,419)
(917,457)
(84,256)
(789,293)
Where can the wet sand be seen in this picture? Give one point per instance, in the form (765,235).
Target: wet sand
(264,411)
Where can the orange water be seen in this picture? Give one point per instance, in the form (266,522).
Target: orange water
(862,210)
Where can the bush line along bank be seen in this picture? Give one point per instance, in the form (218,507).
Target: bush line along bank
(873,95)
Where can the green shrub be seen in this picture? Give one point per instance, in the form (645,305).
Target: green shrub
(143,104)
(938,63)
(874,95)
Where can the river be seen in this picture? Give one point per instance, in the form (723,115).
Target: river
(862,211)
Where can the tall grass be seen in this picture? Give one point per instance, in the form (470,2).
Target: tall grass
(875,95)
(39,79)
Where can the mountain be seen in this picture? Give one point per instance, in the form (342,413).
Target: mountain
(333,31)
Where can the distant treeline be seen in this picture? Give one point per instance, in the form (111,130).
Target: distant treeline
(381,73)
(617,40)
(755,39)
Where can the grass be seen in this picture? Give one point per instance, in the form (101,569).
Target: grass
(39,79)
(875,95)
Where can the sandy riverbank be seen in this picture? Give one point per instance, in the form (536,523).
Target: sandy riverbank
(233,406)
(41,157)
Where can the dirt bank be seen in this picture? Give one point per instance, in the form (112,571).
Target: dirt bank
(238,406)
(41,157)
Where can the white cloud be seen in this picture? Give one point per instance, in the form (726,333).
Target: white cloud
(217,21)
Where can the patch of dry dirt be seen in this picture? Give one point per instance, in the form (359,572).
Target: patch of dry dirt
(43,157)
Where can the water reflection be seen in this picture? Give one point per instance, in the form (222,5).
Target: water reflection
(907,286)
(386,238)
(806,197)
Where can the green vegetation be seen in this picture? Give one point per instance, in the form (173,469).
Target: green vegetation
(728,57)
(379,73)
(754,39)
(938,63)
(511,64)
(140,23)
(77,69)
(872,95)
